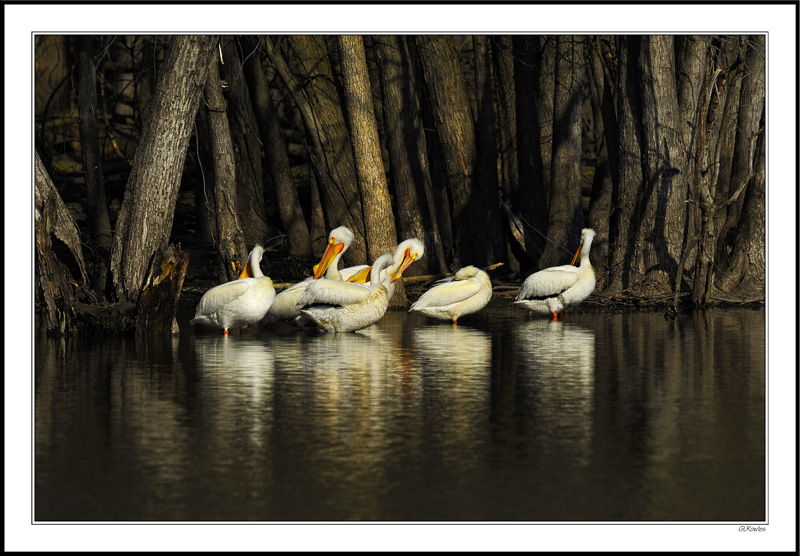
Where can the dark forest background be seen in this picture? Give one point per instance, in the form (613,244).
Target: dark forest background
(160,158)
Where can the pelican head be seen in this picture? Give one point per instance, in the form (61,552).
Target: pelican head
(587,234)
(338,241)
(252,268)
(406,253)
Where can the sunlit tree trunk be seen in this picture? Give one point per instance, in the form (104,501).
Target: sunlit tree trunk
(303,64)
(145,219)
(379,226)
(276,155)
(405,143)
(662,197)
(566,220)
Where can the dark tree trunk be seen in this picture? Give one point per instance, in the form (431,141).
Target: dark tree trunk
(717,129)
(487,184)
(145,218)
(277,158)
(90,148)
(405,142)
(566,220)
(229,237)
(319,235)
(603,183)
(456,137)
(204,198)
(305,68)
(543,50)
(381,236)
(743,271)
(533,182)
(503,65)
(250,189)
(625,222)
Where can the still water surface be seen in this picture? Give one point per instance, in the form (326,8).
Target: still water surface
(504,417)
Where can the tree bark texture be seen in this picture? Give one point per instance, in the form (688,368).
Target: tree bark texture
(229,238)
(599,216)
(276,155)
(371,177)
(60,270)
(456,137)
(565,218)
(744,270)
(304,66)
(380,233)
(406,145)
(625,220)
(662,197)
(145,218)
(251,191)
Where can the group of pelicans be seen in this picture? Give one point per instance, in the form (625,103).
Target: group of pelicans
(342,300)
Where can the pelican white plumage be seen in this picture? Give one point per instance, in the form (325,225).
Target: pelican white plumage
(553,289)
(340,293)
(349,317)
(467,292)
(238,303)
(285,308)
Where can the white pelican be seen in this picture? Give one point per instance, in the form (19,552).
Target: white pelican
(553,289)
(338,292)
(350,317)
(467,292)
(285,305)
(240,302)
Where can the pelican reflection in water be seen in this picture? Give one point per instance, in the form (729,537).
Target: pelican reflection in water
(558,362)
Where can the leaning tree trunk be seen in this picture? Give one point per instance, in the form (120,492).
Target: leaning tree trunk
(405,143)
(229,238)
(566,220)
(145,218)
(60,270)
(277,157)
(305,68)
(378,217)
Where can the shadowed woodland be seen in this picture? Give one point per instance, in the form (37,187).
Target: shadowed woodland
(163,159)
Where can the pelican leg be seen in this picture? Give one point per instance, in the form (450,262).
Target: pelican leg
(225,331)
(555,316)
